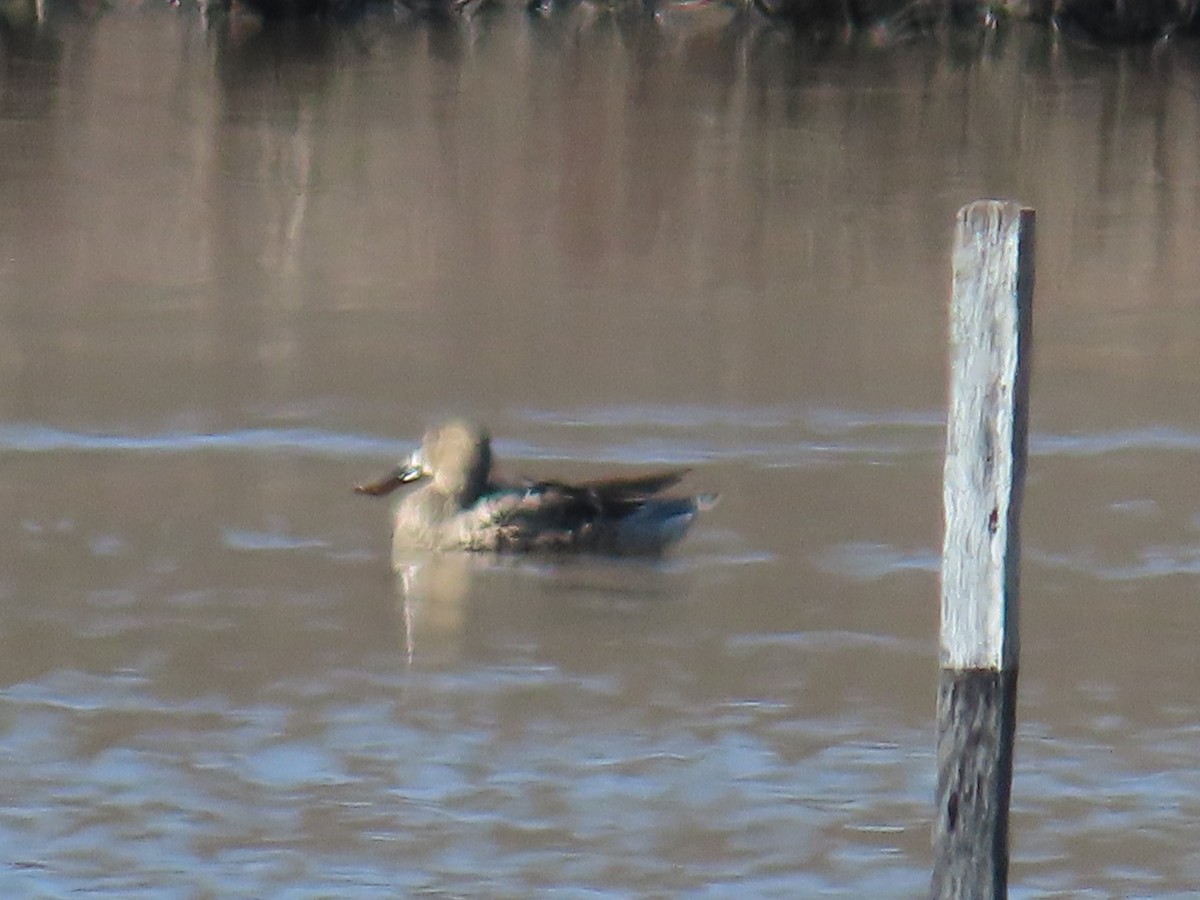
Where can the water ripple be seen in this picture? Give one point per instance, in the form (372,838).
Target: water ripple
(313,442)
(868,561)
(1098,443)
(1153,562)
(31,438)
(730,435)
(243,539)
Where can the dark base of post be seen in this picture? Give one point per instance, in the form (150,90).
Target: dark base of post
(977,719)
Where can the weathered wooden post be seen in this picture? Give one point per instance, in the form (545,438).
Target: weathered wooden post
(990,314)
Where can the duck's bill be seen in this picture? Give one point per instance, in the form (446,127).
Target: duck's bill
(405,474)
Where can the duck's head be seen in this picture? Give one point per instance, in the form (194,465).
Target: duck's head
(457,456)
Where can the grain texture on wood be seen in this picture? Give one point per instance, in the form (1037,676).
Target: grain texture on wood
(976,726)
(986,437)
(990,318)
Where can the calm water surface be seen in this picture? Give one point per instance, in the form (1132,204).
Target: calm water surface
(242,268)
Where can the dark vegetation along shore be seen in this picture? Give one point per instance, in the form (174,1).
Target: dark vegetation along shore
(1105,20)
(1115,21)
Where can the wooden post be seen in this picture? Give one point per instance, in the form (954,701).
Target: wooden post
(986,436)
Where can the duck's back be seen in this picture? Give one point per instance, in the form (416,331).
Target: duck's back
(614,515)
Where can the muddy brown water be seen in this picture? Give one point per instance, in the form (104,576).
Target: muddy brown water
(241,269)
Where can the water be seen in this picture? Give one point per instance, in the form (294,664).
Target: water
(240,269)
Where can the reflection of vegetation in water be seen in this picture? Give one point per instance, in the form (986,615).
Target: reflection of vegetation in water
(20,15)
(29,49)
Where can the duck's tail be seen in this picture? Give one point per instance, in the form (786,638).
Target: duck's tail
(660,522)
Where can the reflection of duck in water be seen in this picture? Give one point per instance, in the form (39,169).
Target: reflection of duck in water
(463,508)
(431,592)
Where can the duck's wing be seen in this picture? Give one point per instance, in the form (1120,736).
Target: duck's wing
(600,498)
(637,489)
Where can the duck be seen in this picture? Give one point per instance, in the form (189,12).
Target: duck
(461,505)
